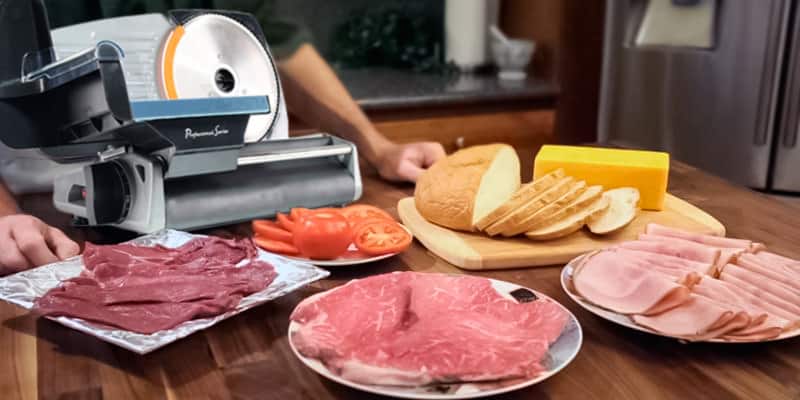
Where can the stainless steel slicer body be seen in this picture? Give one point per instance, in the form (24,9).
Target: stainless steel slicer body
(160,153)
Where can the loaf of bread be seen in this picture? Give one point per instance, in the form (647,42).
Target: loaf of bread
(459,190)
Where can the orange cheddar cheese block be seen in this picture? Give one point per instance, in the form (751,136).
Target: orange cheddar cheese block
(612,168)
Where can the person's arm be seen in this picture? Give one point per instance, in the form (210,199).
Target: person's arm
(26,241)
(316,95)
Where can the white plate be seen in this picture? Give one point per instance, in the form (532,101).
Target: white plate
(560,354)
(624,320)
(342,262)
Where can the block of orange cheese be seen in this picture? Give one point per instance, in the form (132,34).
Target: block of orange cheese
(647,171)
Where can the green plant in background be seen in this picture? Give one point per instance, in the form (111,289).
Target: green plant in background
(396,37)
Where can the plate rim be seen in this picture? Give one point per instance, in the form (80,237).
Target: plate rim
(316,366)
(608,315)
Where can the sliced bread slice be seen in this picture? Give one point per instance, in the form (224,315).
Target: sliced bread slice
(571,224)
(559,189)
(520,225)
(525,194)
(589,196)
(623,209)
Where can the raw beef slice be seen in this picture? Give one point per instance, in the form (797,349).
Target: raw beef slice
(412,329)
(148,289)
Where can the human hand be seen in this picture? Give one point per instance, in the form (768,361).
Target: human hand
(405,162)
(26,241)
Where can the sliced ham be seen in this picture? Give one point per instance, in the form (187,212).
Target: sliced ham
(778,288)
(709,240)
(770,302)
(780,272)
(666,261)
(763,325)
(613,282)
(694,319)
(739,321)
(726,255)
(765,330)
(776,258)
(676,248)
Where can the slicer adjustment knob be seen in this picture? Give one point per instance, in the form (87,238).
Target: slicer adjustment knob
(109,196)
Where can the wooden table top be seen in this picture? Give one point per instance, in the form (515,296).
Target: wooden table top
(248,356)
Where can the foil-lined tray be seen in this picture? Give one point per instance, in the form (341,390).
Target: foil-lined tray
(23,288)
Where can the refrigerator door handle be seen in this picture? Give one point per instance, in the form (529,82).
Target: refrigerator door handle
(790,139)
(775,50)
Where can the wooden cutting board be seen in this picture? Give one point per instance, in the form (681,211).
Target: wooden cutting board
(476,251)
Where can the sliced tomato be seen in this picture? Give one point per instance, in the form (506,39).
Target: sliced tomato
(285,222)
(378,237)
(357,213)
(356,224)
(275,246)
(322,235)
(297,212)
(271,230)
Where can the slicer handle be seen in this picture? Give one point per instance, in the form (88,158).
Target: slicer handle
(311,152)
(109,57)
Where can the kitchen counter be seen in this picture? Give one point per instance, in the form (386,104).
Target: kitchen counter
(248,357)
(377,89)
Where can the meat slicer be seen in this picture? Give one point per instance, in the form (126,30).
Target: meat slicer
(162,121)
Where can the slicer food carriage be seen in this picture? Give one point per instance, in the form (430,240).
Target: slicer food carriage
(162,121)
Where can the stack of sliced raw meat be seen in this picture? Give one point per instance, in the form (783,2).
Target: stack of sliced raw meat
(148,289)
(411,329)
(695,286)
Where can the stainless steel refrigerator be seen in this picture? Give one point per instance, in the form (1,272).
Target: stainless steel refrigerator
(715,83)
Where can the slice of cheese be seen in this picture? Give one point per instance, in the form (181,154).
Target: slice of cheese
(525,193)
(647,171)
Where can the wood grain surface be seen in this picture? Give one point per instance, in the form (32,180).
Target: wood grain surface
(247,357)
(476,251)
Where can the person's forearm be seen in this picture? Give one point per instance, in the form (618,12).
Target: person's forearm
(313,90)
(8,205)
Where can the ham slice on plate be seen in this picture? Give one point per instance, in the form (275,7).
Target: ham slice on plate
(613,282)
(661,260)
(674,247)
(698,318)
(709,240)
(764,324)
(784,287)
(780,272)
(778,259)
(772,303)
(695,286)
(726,255)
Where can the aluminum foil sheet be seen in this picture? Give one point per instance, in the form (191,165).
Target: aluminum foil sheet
(23,288)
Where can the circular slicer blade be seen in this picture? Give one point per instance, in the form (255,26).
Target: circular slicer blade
(215,56)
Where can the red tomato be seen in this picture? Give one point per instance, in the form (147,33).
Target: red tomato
(378,237)
(357,213)
(286,222)
(271,230)
(297,212)
(356,224)
(322,235)
(275,246)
